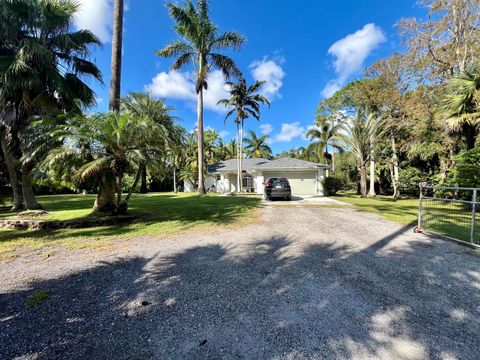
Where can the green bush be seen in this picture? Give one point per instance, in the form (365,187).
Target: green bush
(52,187)
(466,171)
(331,185)
(410,178)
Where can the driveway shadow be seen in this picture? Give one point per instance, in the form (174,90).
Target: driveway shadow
(269,299)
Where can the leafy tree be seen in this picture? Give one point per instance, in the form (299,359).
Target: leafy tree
(257,147)
(244,102)
(198,46)
(43,65)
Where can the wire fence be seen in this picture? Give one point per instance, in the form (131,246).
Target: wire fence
(451,212)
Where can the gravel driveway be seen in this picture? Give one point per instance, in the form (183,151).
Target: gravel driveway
(307,283)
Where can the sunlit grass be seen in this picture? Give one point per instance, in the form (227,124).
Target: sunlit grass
(159,214)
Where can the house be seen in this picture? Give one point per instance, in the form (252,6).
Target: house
(305,177)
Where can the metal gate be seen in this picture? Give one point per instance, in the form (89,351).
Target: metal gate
(451,212)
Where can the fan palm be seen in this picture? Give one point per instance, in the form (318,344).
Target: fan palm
(199,46)
(257,147)
(360,136)
(460,104)
(244,102)
(43,65)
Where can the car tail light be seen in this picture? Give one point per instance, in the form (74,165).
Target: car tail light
(268,182)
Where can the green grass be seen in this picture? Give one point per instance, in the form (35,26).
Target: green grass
(447,219)
(38,297)
(159,214)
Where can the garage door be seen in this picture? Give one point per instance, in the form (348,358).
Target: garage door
(302,183)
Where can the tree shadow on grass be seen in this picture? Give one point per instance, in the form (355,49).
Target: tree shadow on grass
(267,299)
(182,212)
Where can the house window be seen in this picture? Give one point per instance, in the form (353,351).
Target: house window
(218,177)
(247,182)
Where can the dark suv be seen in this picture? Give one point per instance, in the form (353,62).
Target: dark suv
(278,187)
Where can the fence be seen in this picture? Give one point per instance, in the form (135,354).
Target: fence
(450,211)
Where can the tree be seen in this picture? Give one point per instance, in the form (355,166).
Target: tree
(156,112)
(107,146)
(198,46)
(43,65)
(361,134)
(117,48)
(257,147)
(244,102)
(325,133)
(460,105)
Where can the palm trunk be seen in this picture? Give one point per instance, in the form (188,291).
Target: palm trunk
(371,192)
(363,179)
(12,174)
(143,186)
(134,185)
(174,179)
(27,188)
(116,66)
(241,157)
(201,181)
(396,173)
(238,158)
(105,201)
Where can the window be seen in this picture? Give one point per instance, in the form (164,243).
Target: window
(218,177)
(247,182)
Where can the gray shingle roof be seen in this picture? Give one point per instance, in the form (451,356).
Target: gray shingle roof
(253,164)
(231,165)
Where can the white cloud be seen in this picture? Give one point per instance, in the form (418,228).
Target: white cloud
(350,54)
(224,133)
(289,132)
(96,16)
(271,72)
(181,86)
(266,129)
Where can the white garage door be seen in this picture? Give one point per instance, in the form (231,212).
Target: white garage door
(302,183)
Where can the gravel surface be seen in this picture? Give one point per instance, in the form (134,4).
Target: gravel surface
(306,283)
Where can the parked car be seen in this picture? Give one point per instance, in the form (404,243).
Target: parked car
(278,188)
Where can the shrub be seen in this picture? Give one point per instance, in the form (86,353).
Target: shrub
(410,178)
(331,185)
(52,187)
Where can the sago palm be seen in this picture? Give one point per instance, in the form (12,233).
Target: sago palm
(200,45)
(244,101)
(257,147)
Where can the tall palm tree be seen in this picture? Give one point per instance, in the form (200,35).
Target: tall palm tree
(230,150)
(244,102)
(460,104)
(199,46)
(43,65)
(360,135)
(326,132)
(116,63)
(257,147)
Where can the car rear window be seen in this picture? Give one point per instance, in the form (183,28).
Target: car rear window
(278,181)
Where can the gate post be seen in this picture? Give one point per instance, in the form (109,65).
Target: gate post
(474,213)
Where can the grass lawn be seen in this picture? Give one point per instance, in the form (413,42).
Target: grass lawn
(443,218)
(159,214)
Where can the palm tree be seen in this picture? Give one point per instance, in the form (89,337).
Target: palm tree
(244,102)
(43,65)
(360,135)
(230,150)
(155,111)
(326,133)
(116,65)
(199,46)
(257,147)
(460,104)
(106,146)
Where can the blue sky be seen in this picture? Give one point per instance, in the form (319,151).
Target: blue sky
(305,50)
